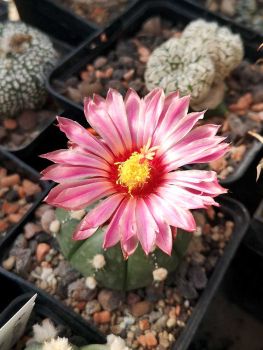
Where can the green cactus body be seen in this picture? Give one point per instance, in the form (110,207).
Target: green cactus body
(117,273)
(26,57)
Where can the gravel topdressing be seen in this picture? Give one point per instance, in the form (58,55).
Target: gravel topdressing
(150,317)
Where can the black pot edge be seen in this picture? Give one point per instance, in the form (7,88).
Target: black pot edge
(45,185)
(244,165)
(51,22)
(254,238)
(241,221)
(3,11)
(242,224)
(85,22)
(52,310)
(244,30)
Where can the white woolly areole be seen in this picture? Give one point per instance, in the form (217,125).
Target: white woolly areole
(116,343)
(77,214)
(44,331)
(98,262)
(57,344)
(160,274)
(54,226)
(90,282)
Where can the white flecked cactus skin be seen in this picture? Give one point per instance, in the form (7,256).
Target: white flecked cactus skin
(195,63)
(26,57)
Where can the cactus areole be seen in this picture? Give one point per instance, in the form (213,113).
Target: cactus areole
(26,57)
(132,178)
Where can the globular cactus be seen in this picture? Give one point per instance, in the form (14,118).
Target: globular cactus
(108,267)
(196,65)
(26,57)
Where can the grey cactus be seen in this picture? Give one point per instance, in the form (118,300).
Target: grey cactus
(26,57)
(196,65)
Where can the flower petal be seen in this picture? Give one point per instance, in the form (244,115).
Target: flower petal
(200,180)
(164,239)
(72,157)
(112,233)
(78,195)
(146,226)
(100,120)
(181,155)
(64,172)
(102,212)
(180,131)
(77,134)
(133,106)
(128,228)
(176,111)
(116,109)
(154,103)
(84,234)
(173,214)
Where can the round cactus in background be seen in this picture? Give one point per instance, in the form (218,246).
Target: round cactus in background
(196,65)
(27,56)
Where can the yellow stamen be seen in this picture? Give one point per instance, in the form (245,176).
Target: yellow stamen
(134,172)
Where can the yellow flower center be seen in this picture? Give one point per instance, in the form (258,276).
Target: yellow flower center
(134,172)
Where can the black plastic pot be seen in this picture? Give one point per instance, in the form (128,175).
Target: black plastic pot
(51,18)
(244,282)
(254,237)
(13,164)
(50,139)
(246,32)
(45,307)
(3,10)
(236,212)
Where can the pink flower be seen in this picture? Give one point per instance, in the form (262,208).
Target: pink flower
(133,169)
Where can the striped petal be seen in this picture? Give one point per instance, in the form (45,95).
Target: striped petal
(78,195)
(76,158)
(80,136)
(64,172)
(101,121)
(146,226)
(102,212)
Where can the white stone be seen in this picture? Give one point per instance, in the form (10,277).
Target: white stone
(90,282)
(160,274)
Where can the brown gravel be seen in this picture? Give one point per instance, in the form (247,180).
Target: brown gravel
(18,132)
(16,197)
(147,318)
